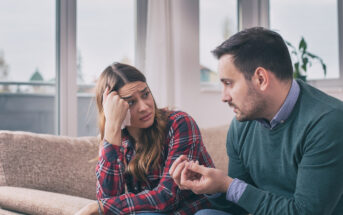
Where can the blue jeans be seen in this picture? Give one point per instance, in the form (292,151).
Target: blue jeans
(211,212)
(150,213)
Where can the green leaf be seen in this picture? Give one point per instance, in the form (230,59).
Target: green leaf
(304,65)
(296,67)
(324,68)
(302,45)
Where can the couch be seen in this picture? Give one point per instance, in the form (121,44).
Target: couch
(47,174)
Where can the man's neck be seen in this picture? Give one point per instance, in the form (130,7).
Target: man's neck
(278,95)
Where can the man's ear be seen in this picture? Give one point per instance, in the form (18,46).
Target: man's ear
(261,78)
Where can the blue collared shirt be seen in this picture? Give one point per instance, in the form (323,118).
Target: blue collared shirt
(237,187)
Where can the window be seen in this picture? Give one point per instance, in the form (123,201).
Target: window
(27,65)
(317,22)
(105,34)
(218,21)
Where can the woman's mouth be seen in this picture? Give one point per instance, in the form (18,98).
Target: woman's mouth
(146,117)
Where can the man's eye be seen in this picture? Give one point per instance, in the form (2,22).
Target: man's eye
(227,83)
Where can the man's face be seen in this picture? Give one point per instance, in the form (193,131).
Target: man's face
(239,93)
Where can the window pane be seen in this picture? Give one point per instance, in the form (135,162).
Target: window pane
(218,21)
(105,34)
(316,21)
(27,65)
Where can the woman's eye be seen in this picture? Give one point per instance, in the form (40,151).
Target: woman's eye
(130,102)
(145,95)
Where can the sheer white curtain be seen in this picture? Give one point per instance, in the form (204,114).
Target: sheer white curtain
(159,62)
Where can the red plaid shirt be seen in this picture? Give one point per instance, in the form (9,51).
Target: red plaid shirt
(160,194)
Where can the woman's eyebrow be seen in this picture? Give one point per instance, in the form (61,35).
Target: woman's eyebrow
(129,97)
(142,91)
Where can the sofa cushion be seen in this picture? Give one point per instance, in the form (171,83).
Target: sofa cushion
(38,202)
(6,212)
(48,162)
(215,142)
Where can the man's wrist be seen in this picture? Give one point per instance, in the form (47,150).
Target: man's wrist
(226,184)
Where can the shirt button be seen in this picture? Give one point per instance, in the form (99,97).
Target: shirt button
(282,121)
(121,149)
(118,160)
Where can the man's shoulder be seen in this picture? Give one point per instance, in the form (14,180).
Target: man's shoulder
(315,105)
(317,99)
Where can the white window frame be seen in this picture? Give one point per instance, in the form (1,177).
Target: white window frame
(336,83)
(66,73)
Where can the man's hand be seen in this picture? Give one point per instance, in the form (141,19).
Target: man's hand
(189,175)
(177,168)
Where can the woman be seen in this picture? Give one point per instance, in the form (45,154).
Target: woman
(132,171)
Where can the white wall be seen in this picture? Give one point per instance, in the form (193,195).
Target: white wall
(205,107)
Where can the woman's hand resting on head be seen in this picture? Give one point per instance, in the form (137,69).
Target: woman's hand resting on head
(115,110)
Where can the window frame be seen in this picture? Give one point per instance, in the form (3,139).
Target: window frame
(321,83)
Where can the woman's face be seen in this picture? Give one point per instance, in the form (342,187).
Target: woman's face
(141,103)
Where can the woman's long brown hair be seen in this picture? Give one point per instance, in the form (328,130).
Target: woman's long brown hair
(152,140)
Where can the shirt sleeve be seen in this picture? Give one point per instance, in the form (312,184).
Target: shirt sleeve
(319,184)
(183,138)
(235,190)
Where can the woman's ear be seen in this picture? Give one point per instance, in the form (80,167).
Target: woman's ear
(261,78)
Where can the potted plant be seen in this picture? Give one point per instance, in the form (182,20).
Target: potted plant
(303,60)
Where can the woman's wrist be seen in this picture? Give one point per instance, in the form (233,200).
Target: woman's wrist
(113,135)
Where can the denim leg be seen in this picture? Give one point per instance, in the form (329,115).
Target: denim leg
(150,213)
(211,212)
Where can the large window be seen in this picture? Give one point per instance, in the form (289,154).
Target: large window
(27,65)
(317,22)
(105,34)
(218,21)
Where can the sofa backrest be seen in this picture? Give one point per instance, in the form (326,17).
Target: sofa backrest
(215,142)
(48,162)
(64,164)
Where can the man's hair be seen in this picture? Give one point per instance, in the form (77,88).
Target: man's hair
(258,47)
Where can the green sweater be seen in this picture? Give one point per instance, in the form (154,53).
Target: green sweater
(295,168)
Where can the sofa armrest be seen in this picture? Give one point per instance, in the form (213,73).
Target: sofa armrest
(48,162)
(29,201)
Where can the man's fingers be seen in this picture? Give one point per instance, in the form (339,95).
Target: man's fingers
(176,163)
(195,167)
(186,183)
(177,173)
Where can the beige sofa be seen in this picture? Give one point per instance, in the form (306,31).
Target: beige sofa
(48,175)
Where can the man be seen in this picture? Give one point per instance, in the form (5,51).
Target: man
(285,145)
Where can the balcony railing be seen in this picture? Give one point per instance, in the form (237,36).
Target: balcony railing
(30,106)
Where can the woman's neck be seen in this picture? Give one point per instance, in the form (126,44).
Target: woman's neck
(134,132)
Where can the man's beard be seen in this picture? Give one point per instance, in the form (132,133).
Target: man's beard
(255,104)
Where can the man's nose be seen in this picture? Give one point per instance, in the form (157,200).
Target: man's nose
(226,97)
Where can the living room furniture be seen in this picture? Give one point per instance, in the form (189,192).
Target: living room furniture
(48,175)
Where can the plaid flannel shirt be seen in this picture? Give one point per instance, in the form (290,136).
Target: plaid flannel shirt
(160,193)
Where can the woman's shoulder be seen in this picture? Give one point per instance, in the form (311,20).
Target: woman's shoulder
(177,118)
(175,115)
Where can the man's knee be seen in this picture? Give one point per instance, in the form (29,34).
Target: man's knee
(211,212)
